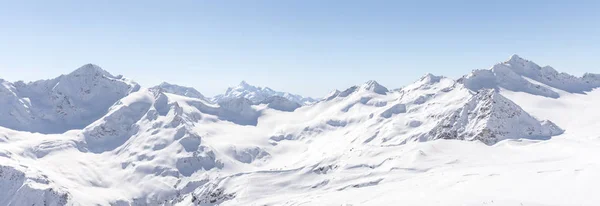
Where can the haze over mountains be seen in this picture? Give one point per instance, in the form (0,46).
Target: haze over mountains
(495,136)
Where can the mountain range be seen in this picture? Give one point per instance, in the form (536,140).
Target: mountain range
(515,134)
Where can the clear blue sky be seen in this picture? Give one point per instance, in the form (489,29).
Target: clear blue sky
(303,46)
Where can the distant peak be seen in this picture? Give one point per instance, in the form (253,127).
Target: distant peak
(90,69)
(516,58)
(428,75)
(371,82)
(244,84)
(372,85)
(165,84)
(90,65)
(430,78)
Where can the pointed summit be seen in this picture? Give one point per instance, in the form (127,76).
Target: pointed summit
(425,82)
(516,58)
(430,78)
(164,84)
(90,69)
(333,94)
(244,84)
(373,86)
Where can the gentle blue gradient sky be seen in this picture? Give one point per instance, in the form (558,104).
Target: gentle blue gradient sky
(303,46)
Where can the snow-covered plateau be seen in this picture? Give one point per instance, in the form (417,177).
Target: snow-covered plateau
(514,134)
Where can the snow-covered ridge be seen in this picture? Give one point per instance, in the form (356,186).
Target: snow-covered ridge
(515,73)
(180,90)
(259,94)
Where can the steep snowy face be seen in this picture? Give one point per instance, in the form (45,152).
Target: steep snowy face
(520,75)
(67,102)
(180,90)
(259,94)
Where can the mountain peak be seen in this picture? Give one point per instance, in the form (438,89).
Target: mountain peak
(165,84)
(372,85)
(333,94)
(90,69)
(244,84)
(371,82)
(516,59)
(430,78)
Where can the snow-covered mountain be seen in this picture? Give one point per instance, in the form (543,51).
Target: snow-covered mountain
(436,141)
(67,102)
(259,94)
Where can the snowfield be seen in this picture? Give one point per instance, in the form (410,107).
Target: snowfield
(515,134)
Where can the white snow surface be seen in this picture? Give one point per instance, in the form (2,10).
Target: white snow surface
(504,136)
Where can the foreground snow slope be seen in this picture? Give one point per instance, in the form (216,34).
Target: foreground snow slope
(436,141)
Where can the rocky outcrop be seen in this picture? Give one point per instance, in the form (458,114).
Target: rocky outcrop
(489,117)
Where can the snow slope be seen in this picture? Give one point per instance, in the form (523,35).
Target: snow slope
(437,141)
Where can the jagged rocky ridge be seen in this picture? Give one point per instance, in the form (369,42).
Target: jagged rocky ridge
(489,117)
